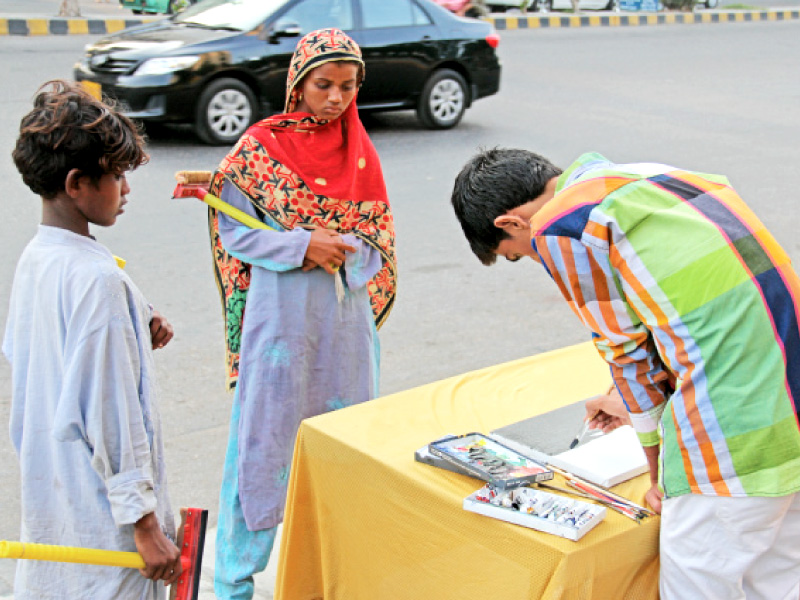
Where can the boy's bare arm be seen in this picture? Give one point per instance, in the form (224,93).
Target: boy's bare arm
(653,495)
(161,331)
(161,557)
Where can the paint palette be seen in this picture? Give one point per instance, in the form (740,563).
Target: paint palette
(489,460)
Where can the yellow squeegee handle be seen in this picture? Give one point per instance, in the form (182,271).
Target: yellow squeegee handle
(84,556)
(234,212)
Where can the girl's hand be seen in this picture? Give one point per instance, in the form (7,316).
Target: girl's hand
(326,249)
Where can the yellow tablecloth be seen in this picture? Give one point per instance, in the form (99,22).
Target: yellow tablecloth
(365,521)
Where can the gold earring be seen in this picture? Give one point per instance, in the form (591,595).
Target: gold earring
(300,97)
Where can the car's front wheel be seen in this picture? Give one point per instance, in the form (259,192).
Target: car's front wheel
(443,101)
(226,108)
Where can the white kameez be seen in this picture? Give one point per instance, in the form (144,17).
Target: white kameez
(84,421)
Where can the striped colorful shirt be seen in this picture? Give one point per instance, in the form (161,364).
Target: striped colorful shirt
(685,290)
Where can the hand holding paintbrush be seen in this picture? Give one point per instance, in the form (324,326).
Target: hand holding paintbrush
(605,412)
(583,431)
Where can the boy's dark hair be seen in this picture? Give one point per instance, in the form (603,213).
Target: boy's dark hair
(69,129)
(492,183)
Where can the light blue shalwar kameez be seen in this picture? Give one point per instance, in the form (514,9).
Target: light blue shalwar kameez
(84,418)
(303,353)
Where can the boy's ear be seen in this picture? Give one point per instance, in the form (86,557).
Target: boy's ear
(510,222)
(72,184)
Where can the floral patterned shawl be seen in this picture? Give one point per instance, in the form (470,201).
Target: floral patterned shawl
(302,171)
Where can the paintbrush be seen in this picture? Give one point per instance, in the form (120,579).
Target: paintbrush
(598,488)
(582,433)
(622,508)
(577,492)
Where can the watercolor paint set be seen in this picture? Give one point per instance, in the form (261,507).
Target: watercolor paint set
(489,460)
(550,513)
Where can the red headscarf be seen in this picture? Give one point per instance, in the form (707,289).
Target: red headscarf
(307,172)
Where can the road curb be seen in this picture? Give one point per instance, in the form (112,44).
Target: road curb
(627,20)
(95,26)
(65,26)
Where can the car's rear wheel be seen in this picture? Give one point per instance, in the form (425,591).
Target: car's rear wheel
(226,108)
(137,11)
(542,5)
(443,100)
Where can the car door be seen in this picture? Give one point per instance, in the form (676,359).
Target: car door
(308,15)
(398,41)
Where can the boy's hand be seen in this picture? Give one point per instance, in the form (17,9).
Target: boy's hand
(327,250)
(160,330)
(653,498)
(653,495)
(162,558)
(607,412)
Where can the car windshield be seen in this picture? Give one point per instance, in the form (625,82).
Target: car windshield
(242,15)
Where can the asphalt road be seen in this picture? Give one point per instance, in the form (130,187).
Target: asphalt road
(715,98)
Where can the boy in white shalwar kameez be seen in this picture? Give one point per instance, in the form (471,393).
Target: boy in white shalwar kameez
(80,339)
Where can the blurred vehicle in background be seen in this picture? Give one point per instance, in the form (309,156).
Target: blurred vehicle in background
(500,6)
(170,7)
(221,64)
(464,8)
(548,5)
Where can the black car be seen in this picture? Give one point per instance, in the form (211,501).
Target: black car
(221,64)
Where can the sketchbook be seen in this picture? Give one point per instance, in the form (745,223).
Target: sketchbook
(605,460)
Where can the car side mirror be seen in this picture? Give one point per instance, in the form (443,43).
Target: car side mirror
(283,30)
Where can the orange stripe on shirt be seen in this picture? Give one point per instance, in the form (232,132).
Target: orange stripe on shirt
(574,196)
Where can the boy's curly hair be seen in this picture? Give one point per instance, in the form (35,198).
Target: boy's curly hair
(69,129)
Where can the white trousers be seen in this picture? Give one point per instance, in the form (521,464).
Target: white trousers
(720,548)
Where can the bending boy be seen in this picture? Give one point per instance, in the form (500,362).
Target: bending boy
(80,339)
(678,281)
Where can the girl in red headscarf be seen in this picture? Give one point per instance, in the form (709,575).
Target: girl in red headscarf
(302,304)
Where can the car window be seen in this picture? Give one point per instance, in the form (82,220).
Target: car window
(420,16)
(311,15)
(392,13)
(242,15)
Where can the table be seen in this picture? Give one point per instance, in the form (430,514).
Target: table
(365,521)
